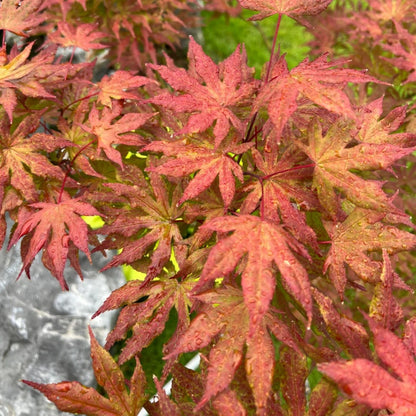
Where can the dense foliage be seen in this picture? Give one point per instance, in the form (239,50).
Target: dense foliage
(271,217)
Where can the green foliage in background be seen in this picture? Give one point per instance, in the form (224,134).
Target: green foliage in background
(222,33)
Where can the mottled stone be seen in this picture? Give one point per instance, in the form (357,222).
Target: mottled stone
(44,331)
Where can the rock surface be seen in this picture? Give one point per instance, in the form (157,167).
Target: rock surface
(44,331)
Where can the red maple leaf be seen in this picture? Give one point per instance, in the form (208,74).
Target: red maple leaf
(368,383)
(120,85)
(71,396)
(83,36)
(208,161)
(210,92)
(109,134)
(373,129)
(292,8)
(374,235)
(17,73)
(225,319)
(147,318)
(279,183)
(56,228)
(335,157)
(405,50)
(17,17)
(149,216)
(20,156)
(320,81)
(264,243)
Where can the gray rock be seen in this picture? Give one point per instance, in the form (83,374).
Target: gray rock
(44,331)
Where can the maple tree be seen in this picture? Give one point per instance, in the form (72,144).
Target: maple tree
(272,218)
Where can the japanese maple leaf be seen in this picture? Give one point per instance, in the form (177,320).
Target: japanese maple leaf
(208,161)
(109,134)
(369,383)
(225,319)
(210,92)
(405,55)
(279,184)
(20,151)
(292,8)
(83,36)
(24,76)
(264,243)
(73,397)
(150,209)
(147,318)
(373,234)
(320,81)
(187,391)
(54,227)
(19,16)
(373,129)
(345,331)
(391,10)
(334,160)
(385,307)
(119,86)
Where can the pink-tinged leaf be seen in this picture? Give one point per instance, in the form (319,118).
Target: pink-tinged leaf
(374,235)
(145,332)
(148,216)
(54,227)
(391,349)
(109,134)
(120,85)
(227,403)
(322,399)
(320,81)
(137,388)
(167,407)
(409,338)
(371,384)
(292,8)
(293,373)
(203,159)
(384,307)
(259,365)
(375,130)
(82,35)
(224,318)
(147,318)
(265,243)
(109,375)
(75,398)
(17,17)
(22,159)
(283,181)
(345,331)
(210,92)
(334,160)
(224,365)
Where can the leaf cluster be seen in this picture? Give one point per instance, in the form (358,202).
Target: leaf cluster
(272,215)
